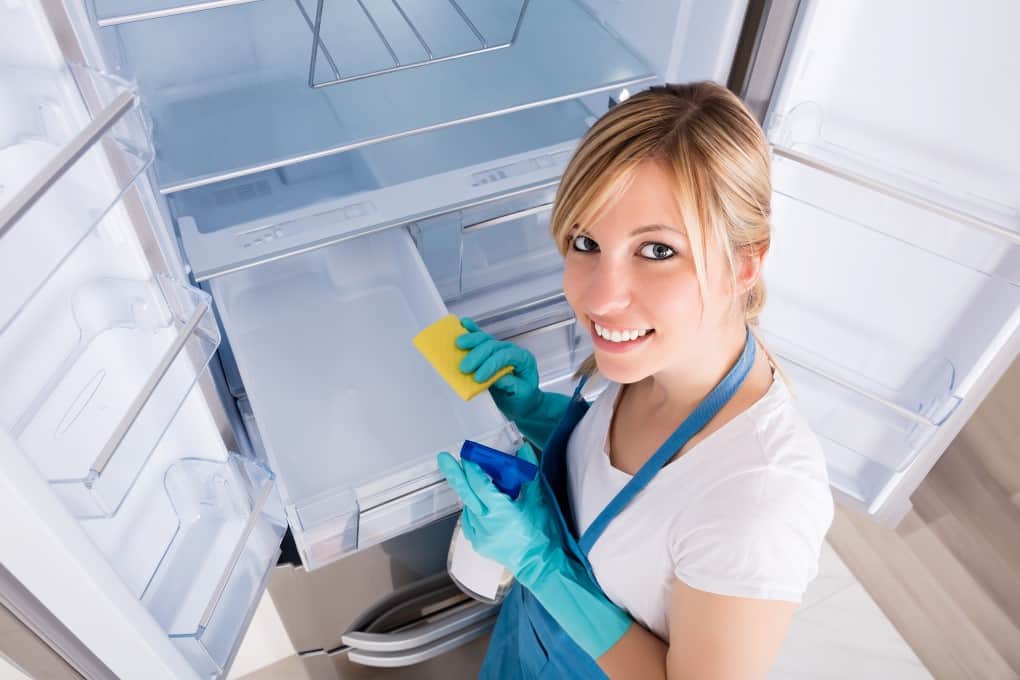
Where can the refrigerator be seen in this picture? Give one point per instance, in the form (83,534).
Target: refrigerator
(222,221)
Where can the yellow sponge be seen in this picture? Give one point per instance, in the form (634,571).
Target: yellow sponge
(437,344)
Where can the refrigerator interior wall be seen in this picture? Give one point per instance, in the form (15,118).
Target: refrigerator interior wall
(100,355)
(907,306)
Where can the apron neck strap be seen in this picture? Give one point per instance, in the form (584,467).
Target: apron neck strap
(706,410)
(580,384)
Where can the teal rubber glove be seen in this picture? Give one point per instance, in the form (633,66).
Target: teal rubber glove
(517,395)
(527,538)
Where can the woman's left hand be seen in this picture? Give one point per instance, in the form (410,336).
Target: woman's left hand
(519,534)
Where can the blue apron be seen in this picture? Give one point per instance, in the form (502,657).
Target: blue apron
(526,641)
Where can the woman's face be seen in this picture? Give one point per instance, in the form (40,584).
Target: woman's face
(631,281)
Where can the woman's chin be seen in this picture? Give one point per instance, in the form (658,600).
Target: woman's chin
(613,367)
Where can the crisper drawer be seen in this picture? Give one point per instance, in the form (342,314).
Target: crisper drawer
(500,246)
(350,414)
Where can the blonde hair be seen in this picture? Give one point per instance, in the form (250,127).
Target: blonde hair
(717,154)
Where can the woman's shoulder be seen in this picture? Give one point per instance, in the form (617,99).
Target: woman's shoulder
(785,441)
(767,455)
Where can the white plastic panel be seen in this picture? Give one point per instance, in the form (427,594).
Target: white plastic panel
(350,414)
(895,271)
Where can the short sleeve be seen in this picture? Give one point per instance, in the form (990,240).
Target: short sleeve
(757,537)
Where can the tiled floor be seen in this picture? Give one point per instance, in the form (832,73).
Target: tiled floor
(838,633)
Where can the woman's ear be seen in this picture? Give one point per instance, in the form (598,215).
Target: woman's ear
(749,263)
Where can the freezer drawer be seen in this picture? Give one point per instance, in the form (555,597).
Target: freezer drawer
(350,414)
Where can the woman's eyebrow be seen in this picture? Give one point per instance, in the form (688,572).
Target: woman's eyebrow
(657,227)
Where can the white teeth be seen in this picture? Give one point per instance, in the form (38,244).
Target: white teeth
(620,336)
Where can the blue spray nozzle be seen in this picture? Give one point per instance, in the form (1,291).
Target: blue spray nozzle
(508,473)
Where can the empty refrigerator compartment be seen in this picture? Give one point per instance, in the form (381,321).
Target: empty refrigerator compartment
(61,170)
(350,414)
(97,377)
(209,581)
(228,92)
(893,353)
(492,245)
(360,40)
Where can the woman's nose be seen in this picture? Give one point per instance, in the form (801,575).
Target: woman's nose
(609,289)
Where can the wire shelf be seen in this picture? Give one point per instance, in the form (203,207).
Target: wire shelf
(404,35)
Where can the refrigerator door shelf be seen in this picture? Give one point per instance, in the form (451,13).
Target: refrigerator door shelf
(128,353)
(356,42)
(240,223)
(228,92)
(934,299)
(61,174)
(932,121)
(350,414)
(810,148)
(209,581)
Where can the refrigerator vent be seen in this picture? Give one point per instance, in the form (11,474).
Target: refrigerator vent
(241,192)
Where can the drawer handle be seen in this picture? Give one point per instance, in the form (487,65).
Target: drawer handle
(509,217)
(429,630)
(419,655)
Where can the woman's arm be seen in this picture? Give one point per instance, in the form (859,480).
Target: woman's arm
(711,637)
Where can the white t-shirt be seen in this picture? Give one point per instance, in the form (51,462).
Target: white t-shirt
(743,512)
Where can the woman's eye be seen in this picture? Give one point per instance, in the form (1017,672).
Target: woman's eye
(585,244)
(657,251)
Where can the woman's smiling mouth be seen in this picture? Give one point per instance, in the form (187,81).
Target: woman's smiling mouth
(619,339)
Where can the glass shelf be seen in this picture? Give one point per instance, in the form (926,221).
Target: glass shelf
(355,453)
(212,575)
(239,103)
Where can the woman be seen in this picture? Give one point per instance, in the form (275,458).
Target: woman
(678,520)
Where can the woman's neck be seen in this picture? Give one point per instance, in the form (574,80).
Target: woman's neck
(683,385)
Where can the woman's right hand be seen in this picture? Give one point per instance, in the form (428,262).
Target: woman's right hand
(516,394)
